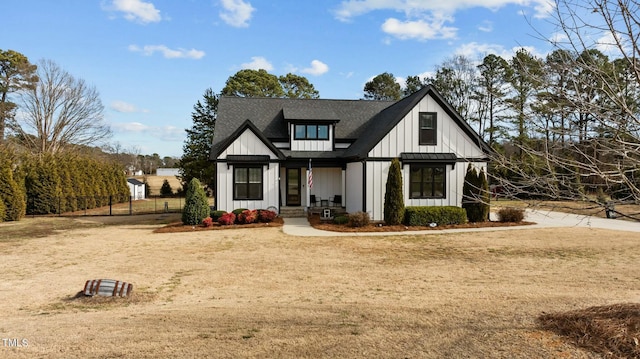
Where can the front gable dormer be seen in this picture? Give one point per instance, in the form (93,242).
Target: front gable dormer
(311,130)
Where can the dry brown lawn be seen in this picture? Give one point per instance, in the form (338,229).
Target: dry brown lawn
(258,293)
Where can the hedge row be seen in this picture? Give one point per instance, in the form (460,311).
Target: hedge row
(423,216)
(57,183)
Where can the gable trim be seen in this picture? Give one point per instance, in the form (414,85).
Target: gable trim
(239,131)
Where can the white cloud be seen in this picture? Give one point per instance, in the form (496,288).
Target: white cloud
(425,20)
(125,107)
(420,29)
(349,9)
(129,127)
(236,13)
(474,50)
(486,26)
(257,63)
(165,133)
(317,68)
(168,53)
(137,10)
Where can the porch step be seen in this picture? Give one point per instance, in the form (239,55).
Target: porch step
(292,212)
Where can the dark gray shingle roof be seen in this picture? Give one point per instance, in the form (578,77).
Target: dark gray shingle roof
(365,122)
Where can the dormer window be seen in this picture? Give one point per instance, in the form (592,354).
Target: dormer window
(311,132)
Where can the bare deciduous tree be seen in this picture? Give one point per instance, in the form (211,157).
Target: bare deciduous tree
(59,112)
(598,151)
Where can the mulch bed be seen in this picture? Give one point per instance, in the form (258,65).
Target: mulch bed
(612,331)
(316,222)
(179,227)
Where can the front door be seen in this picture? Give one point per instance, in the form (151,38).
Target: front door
(293,187)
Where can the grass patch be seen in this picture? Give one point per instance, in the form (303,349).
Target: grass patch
(81,303)
(39,227)
(612,331)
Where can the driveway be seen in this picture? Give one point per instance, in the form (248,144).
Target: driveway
(543,219)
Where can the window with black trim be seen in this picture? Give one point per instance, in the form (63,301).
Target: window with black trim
(247,183)
(311,132)
(427,181)
(428,123)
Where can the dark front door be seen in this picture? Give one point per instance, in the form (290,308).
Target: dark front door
(293,187)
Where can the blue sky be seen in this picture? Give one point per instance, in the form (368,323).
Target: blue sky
(152,60)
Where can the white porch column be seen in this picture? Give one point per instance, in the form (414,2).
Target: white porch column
(305,184)
(344,185)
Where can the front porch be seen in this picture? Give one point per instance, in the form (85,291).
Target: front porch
(312,190)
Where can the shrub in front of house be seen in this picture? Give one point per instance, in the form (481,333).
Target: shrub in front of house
(393,196)
(216,214)
(511,215)
(266,216)
(207,222)
(196,206)
(359,219)
(247,216)
(237,211)
(227,219)
(341,220)
(442,215)
(475,195)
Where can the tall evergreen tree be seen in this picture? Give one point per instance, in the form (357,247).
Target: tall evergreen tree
(489,92)
(16,73)
(195,158)
(253,83)
(383,87)
(393,197)
(295,86)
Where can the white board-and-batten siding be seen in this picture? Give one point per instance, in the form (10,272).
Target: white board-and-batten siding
(311,145)
(246,144)
(404,137)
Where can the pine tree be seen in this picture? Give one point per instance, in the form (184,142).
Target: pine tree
(195,159)
(12,199)
(393,197)
(166,190)
(196,205)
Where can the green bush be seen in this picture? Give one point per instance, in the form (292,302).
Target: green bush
(475,195)
(511,215)
(393,197)
(341,220)
(423,216)
(2,211)
(196,205)
(237,211)
(359,219)
(165,189)
(216,214)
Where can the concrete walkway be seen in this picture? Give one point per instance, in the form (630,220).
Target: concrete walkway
(543,219)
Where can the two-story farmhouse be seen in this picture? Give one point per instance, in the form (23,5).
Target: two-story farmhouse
(302,153)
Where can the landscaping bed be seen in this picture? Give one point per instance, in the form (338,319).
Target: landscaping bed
(179,227)
(318,223)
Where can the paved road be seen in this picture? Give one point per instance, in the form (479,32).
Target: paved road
(543,219)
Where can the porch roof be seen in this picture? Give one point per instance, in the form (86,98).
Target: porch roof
(416,157)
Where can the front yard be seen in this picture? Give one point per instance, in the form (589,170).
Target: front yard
(260,293)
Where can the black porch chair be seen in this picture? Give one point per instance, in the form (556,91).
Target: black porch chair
(314,201)
(337,201)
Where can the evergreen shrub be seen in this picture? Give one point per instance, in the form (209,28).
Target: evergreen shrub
(196,205)
(341,219)
(216,214)
(443,215)
(393,197)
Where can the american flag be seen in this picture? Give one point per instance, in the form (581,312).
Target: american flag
(310,175)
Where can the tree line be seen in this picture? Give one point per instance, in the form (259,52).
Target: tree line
(56,183)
